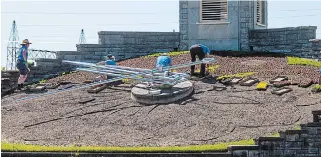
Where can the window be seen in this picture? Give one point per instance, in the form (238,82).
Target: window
(260,12)
(214,10)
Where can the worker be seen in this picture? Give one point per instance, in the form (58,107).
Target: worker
(201,51)
(22,63)
(162,61)
(110,60)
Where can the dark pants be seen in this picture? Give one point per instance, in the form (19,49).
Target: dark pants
(197,51)
(23,69)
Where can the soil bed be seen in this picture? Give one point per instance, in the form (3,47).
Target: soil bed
(207,117)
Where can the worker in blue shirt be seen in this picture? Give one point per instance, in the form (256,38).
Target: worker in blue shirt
(22,63)
(110,60)
(201,51)
(162,61)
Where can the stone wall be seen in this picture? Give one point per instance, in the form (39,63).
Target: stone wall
(291,143)
(183,24)
(247,22)
(291,40)
(46,68)
(123,45)
(313,50)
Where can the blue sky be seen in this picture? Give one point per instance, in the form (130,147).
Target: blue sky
(47,25)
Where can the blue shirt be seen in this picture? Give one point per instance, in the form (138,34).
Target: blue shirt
(206,50)
(110,62)
(163,61)
(22,50)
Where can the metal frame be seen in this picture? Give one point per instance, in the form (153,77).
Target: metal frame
(151,76)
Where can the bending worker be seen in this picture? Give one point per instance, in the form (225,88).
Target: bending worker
(162,61)
(22,63)
(201,51)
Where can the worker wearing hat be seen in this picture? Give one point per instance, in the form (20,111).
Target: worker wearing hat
(201,51)
(22,63)
(163,60)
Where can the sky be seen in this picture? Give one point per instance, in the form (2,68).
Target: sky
(56,25)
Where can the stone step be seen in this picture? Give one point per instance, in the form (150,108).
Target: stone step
(316,116)
(262,140)
(285,134)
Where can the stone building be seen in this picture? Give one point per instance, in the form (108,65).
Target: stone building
(220,24)
(240,25)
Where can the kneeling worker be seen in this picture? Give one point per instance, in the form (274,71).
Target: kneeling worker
(163,61)
(201,51)
(110,60)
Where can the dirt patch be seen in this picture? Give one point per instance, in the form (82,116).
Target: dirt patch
(113,119)
(253,62)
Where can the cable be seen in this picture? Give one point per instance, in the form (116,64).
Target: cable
(65,13)
(296,16)
(302,10)
(96,25)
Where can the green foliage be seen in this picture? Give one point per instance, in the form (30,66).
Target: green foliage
(127,80)
(297,127)
(303,61)
(169,54)
(211,69)
(193,148)
(274,135)
(3,68)
(42,81)
(316,88)
(30,62)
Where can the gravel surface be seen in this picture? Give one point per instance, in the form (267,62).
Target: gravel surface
(206,117)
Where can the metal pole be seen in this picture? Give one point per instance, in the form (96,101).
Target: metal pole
(205,60)
(115,69)
(129,76)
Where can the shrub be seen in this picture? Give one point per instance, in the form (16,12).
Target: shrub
(211,69)
(316,88)
(303,61)
(42,81)
(169,54)
(3,68)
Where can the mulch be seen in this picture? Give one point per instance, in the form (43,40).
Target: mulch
(209,116)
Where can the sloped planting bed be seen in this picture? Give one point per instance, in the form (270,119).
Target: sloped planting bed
(206,117)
